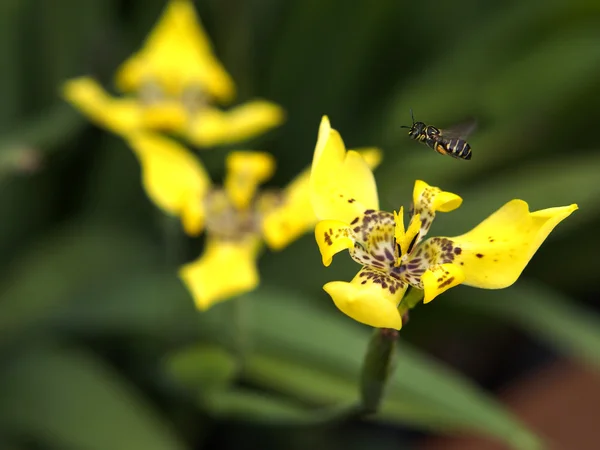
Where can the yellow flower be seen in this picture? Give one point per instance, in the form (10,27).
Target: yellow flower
(237,217)
(344,196)
(171,83)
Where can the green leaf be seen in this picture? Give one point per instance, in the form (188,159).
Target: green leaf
(312,384)
(287,325)
(67,398)
(203,367)
(546,315)
(151,303)
(62,266)
(254,406)
(315,357)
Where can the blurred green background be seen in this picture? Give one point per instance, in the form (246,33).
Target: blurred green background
(100,345)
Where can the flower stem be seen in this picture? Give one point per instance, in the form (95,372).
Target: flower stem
(377,368)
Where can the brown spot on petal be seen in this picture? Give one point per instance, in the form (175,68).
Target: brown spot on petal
(479,255)
(447,282)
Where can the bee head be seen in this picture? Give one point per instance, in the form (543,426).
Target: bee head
(417,128)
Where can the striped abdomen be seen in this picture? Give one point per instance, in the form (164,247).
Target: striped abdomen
(457,148)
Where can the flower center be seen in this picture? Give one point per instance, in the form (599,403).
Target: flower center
(192,98)
(225,221)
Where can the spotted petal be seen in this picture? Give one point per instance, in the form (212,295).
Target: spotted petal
(210,126)
(427,200)
(332,237)
(494,253)
(225,269)
(372,298)
(177,55)
(342,186)
(173,178)
(439,278)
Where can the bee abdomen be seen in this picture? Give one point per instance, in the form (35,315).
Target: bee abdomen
(458,148)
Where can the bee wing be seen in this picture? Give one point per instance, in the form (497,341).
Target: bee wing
(461,130)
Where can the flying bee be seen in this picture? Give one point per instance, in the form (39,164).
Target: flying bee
(449,141)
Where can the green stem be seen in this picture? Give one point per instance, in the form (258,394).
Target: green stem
(377,368)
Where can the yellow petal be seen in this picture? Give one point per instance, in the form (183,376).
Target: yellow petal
(291,216)
(225,269)
(430,198)
(371,155)
(166,115)
(294,215)
(177,55)
(371,298)
(173,177)
(193,214)
(117,115)
(494,253)
(427,200)
(332,237)
(245,172)
(342,186)
(211,126)
(440,278)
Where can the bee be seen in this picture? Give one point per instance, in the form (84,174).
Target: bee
(449,141)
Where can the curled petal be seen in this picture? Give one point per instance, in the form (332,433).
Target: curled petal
(177,54)
(342,186)
(427,200)
(118,115)
(494,253)
(226,269)
(173,177)
(332,237)
(245,172)
(214,127)
(371,298)
(438,279)
(432,198)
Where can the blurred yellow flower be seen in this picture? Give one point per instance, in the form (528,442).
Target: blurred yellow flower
(171,84)
(237,217)
(344,197)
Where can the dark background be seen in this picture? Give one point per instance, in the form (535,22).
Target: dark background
(100,346)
